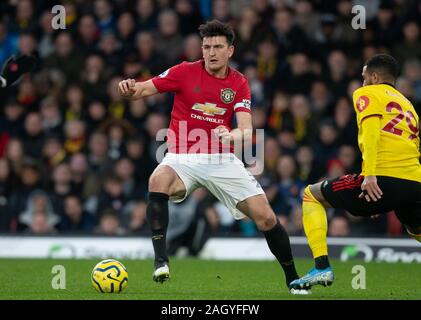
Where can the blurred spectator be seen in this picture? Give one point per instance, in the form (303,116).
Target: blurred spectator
(168,36)
(338,227)
(51,117)
(279,112)
(112,195)
(247,33)
(412,72)
(109,224)
(146,15)
(290,37)
(325,145)
(151,61)
(74,103)
(126,31)
(99,162)
(132,189)
(272,154)
(410,47)
(299,77)
(34,136)
(75,219)
(12,119)
(289,188)
(75,135)
(97,114)
(15,154)
(46,42)
(25,19)
(110,48)
(135,221)
(53,154)
(221,10)
(29,180)
(308,171)
(337,78)
(307,19)
(268,65)
(192,48)
(300,111)
(345,121)
(188,15)
(27,44)
(93,77)
(27,94)
(40,224)
(136,114)
(8,43)
(65,57)
(79,173)
(61,187)
(295,222)
(154,123)
(348,158)
(88,34)
(39,214)
(143,163)
(106,20)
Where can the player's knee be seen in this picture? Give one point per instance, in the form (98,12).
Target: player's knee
(309,196)
(265,221)
(160,181)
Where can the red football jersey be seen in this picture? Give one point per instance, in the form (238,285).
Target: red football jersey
(202,102)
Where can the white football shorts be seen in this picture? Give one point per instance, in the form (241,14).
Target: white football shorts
(224,175)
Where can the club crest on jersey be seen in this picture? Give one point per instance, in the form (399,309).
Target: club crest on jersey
(362,103)
(227,95)
(209,109)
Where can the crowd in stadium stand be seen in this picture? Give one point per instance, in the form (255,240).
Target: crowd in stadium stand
(75,157)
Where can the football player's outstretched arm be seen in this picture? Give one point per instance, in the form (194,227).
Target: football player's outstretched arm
(132,90)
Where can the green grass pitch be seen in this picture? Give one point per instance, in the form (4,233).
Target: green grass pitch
(192,279)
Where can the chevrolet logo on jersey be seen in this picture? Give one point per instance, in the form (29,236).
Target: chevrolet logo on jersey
(209,109)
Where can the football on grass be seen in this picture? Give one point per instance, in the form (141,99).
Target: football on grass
(109,276)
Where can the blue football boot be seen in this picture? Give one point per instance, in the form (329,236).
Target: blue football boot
(315,276)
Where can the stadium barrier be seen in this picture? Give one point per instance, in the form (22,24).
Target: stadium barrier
(367,249)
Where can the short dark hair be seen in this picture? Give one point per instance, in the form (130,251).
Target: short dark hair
(384,64)
(216,28)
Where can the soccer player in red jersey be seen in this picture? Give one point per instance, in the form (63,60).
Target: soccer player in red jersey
(208,94)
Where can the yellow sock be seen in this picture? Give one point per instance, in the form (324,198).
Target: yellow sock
(315,224)
(415,236)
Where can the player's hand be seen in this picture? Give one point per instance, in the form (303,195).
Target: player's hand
(370,189)
(127,88)
(223,134)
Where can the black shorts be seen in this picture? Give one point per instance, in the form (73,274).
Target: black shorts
(399,195)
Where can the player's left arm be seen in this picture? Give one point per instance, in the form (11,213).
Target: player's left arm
(369,114)
(370,127)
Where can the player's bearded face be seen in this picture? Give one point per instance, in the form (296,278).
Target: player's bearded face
(216,53)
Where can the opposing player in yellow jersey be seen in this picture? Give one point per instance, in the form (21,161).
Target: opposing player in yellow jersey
(388,137)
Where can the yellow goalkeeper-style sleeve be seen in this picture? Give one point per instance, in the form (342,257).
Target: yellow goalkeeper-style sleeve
(370,127)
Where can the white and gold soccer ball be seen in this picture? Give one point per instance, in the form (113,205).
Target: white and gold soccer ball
(109,276)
